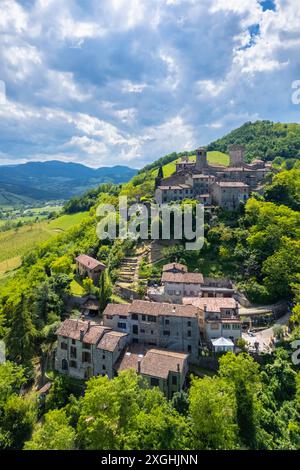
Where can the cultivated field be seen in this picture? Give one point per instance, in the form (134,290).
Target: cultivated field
(17,242)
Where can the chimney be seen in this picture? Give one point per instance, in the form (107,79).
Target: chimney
(88,327)
(178,368)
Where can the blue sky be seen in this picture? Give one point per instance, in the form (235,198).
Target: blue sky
(127,81)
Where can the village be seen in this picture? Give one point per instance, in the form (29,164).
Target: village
(185,322)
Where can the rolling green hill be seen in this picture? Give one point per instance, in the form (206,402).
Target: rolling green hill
(264,139)
(17,242)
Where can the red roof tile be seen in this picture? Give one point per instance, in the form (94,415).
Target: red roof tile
(89,262)
(187,278)
(92,332)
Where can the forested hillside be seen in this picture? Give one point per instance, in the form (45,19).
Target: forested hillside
(244,405)
(263,139)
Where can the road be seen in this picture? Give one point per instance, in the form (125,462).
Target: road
(265,337)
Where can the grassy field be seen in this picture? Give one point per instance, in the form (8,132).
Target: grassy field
(214,158)
(17,242)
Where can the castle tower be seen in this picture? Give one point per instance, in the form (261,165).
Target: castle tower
(201,159)
(236,153)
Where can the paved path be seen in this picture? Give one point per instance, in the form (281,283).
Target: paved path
(265,337)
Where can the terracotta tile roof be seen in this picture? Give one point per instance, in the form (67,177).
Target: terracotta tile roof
(130,360)
(188,278)
(178,266)
(92,332)
(213,304)
(116,309)
(159,363)
(89,262)
(162,309)
(110,340)
(154,362)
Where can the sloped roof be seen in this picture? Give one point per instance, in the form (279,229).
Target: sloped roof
(178,266)
(162,309)
(110,340)
(212,304)
(116,309)
(189,278)
(222,342)
(159,363)
(71,328)
(154,362)
(89,262)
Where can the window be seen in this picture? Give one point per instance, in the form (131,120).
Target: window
(144,317)
(189,348)
(135,329)
(152,318)
(122,317)
(236,326)
(167,321)
(73,364)
(142,330)
(189,333)
(73,352)
(226,326)
(64,346)
(166,333)
(154,382)
(189,323)
(103,367)
(86,346)
(103,357)
(214,326)
(174,379)
(109,317)
(86,356)
(73,341)
(134,316)
(122,325)
(64,364)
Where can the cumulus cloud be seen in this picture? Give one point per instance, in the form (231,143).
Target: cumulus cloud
(129,80)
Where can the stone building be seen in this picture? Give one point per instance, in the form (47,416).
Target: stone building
(86,266)
(218,317)
(229,194)
(177,282)
(159,367)
(200,180)
(164,325)
(85,349)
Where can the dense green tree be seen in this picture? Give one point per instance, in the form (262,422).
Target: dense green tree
(124,414)
(18,417)
(213,414)
(243,373)
(21,332)
(54,434)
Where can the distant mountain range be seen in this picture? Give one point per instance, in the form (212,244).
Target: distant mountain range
(53,180)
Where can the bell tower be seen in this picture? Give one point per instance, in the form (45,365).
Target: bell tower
(236,153)
(201,159)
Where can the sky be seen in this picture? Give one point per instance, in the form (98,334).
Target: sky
(127,81)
